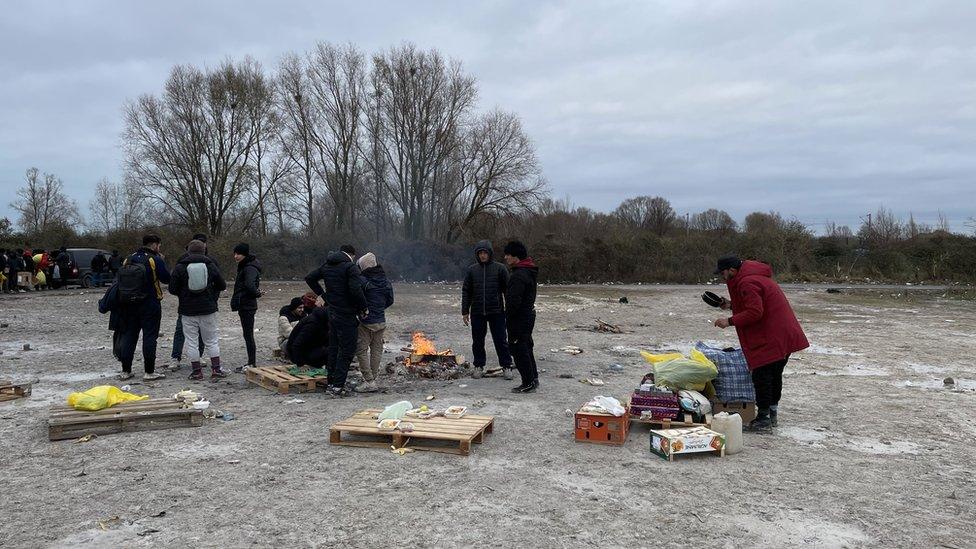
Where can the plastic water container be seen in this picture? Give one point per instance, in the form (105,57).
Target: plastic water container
(729,425)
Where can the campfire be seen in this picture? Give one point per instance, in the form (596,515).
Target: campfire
(425,360)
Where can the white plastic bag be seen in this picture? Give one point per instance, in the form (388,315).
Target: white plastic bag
(395,411)
(611,405)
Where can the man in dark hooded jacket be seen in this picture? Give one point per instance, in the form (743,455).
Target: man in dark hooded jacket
(379,297)
(520,313)
(483,307)
(308,343)
(247,290)
(344,295)
(197,281)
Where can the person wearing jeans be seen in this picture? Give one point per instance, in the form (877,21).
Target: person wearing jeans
(197,282)
(767,327)
(247,290)
(483,307)
(379,296)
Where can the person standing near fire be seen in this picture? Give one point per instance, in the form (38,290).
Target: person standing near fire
(520,313)
(483,308)
(767,327)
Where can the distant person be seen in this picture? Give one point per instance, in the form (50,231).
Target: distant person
(379,297)
(483,307)
(15,261)
(140,294)
(308,343)
(197,282)
(288,317)
(247,290)
(343,293)
(114,263)
(4,272)
(63,264)
(98,266)
(767,327)
(179,342)
(520,313)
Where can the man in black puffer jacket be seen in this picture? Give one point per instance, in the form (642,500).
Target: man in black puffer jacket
(483,307)
(197,282)
(308,343)
(344,295)
(247,290)
(520,299)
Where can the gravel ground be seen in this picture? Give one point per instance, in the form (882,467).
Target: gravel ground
(872,448)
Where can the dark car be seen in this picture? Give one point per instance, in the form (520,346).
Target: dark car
(79,268)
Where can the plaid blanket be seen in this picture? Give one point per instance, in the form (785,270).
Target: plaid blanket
(734,381)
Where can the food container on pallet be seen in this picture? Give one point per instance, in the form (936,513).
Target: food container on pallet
(601,428)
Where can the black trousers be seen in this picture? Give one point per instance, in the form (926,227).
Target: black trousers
(343,338)
(768,381)
(316,357)
(523,349)
(480,325)
(247,325)
(145,318)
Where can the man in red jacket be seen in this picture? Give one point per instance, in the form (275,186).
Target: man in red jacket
(767,328)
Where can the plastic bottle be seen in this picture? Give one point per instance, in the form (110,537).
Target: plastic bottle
(729,425)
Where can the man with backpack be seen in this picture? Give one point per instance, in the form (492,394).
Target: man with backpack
(139,298)
(344,295)
(197,282)
(247,290)
(176,357)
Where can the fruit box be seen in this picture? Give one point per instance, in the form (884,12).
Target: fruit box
(601,428)
(668,443)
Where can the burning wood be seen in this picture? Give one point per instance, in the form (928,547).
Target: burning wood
(426,361)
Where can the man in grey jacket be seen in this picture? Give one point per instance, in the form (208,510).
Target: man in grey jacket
(483,308)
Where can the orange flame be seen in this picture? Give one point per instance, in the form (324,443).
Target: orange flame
(422,345)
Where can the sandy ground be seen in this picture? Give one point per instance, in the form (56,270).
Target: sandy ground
(872,449)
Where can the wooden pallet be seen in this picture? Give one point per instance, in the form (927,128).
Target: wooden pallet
(428,434)
(673,423)
(12,391)
(65,422)
(277,378)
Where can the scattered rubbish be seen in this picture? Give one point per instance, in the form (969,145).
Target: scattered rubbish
(595,381)
(159,514)
(126,387)
(186,395)
(606,328)
(27,347)
(462,386)
(948,381)
(397,410)
(101,397)
(86,438)
(104,524)
(479,404)
(405,427)
(227,416)
(234,461)
(294,401)
(566,376)
(429,398)
(4,325)
(201,405)
(568,413)
(146,532)
(624,300)
(604,405)
(81,473)
(569,349)
(402,451)
(615,368)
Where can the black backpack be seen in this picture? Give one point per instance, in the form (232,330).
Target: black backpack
(132,283)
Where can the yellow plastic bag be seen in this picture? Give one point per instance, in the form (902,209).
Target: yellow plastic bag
(675,371)
(101,397)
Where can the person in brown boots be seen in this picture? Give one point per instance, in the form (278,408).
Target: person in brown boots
(197,282)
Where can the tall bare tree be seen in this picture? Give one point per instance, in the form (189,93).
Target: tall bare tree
(651,213)
(714,220)
(115,207)
(296,135)
(42,204)
(191,148)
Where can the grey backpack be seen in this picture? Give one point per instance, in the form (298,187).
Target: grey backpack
(198,278)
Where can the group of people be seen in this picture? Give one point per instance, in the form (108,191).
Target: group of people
(44,270)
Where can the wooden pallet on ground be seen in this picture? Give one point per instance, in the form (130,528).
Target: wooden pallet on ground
(686,421)
(65,422)
(428,434)
(277,379)
(12,391)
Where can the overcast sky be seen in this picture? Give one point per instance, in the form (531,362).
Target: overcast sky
(819,110)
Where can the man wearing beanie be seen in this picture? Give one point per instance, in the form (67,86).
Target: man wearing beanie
(197,282)
(379,296)
(767,327)
(288,317)
(247,290)
(520,313)
(176,357)
(343,293)
(483,307)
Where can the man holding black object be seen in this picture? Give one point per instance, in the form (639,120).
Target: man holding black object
(767,328)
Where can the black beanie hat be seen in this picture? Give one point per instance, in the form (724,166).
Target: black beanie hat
(201,237)
(296,302)
(516,249)
(243,248)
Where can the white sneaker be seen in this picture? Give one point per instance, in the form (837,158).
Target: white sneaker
(175,364)
(153,376)
(367,387)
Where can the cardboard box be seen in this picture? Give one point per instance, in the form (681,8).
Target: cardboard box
(601,428)
(747,410)
(668,443)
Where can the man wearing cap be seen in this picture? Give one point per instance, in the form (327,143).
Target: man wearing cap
(767,327)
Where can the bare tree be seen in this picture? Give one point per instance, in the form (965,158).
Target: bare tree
(649,213)
(882,228)
(714,220)
(42,204)
(191,148)
(296,135)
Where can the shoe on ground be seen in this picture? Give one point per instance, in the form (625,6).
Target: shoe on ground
(217,374)
(493,372)
(531,387)
(244,368)
(125,376)
(509,374)
(478,372)
(175,365)
(367,387)
(196,375)
(339,392)
(153,376)
(772,419)
(762,424)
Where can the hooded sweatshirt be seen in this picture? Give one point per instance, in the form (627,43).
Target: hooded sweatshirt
(194,303)
(379,293)
(763,318)
(343,290)
(247,285)
(483,290)
(520,297)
